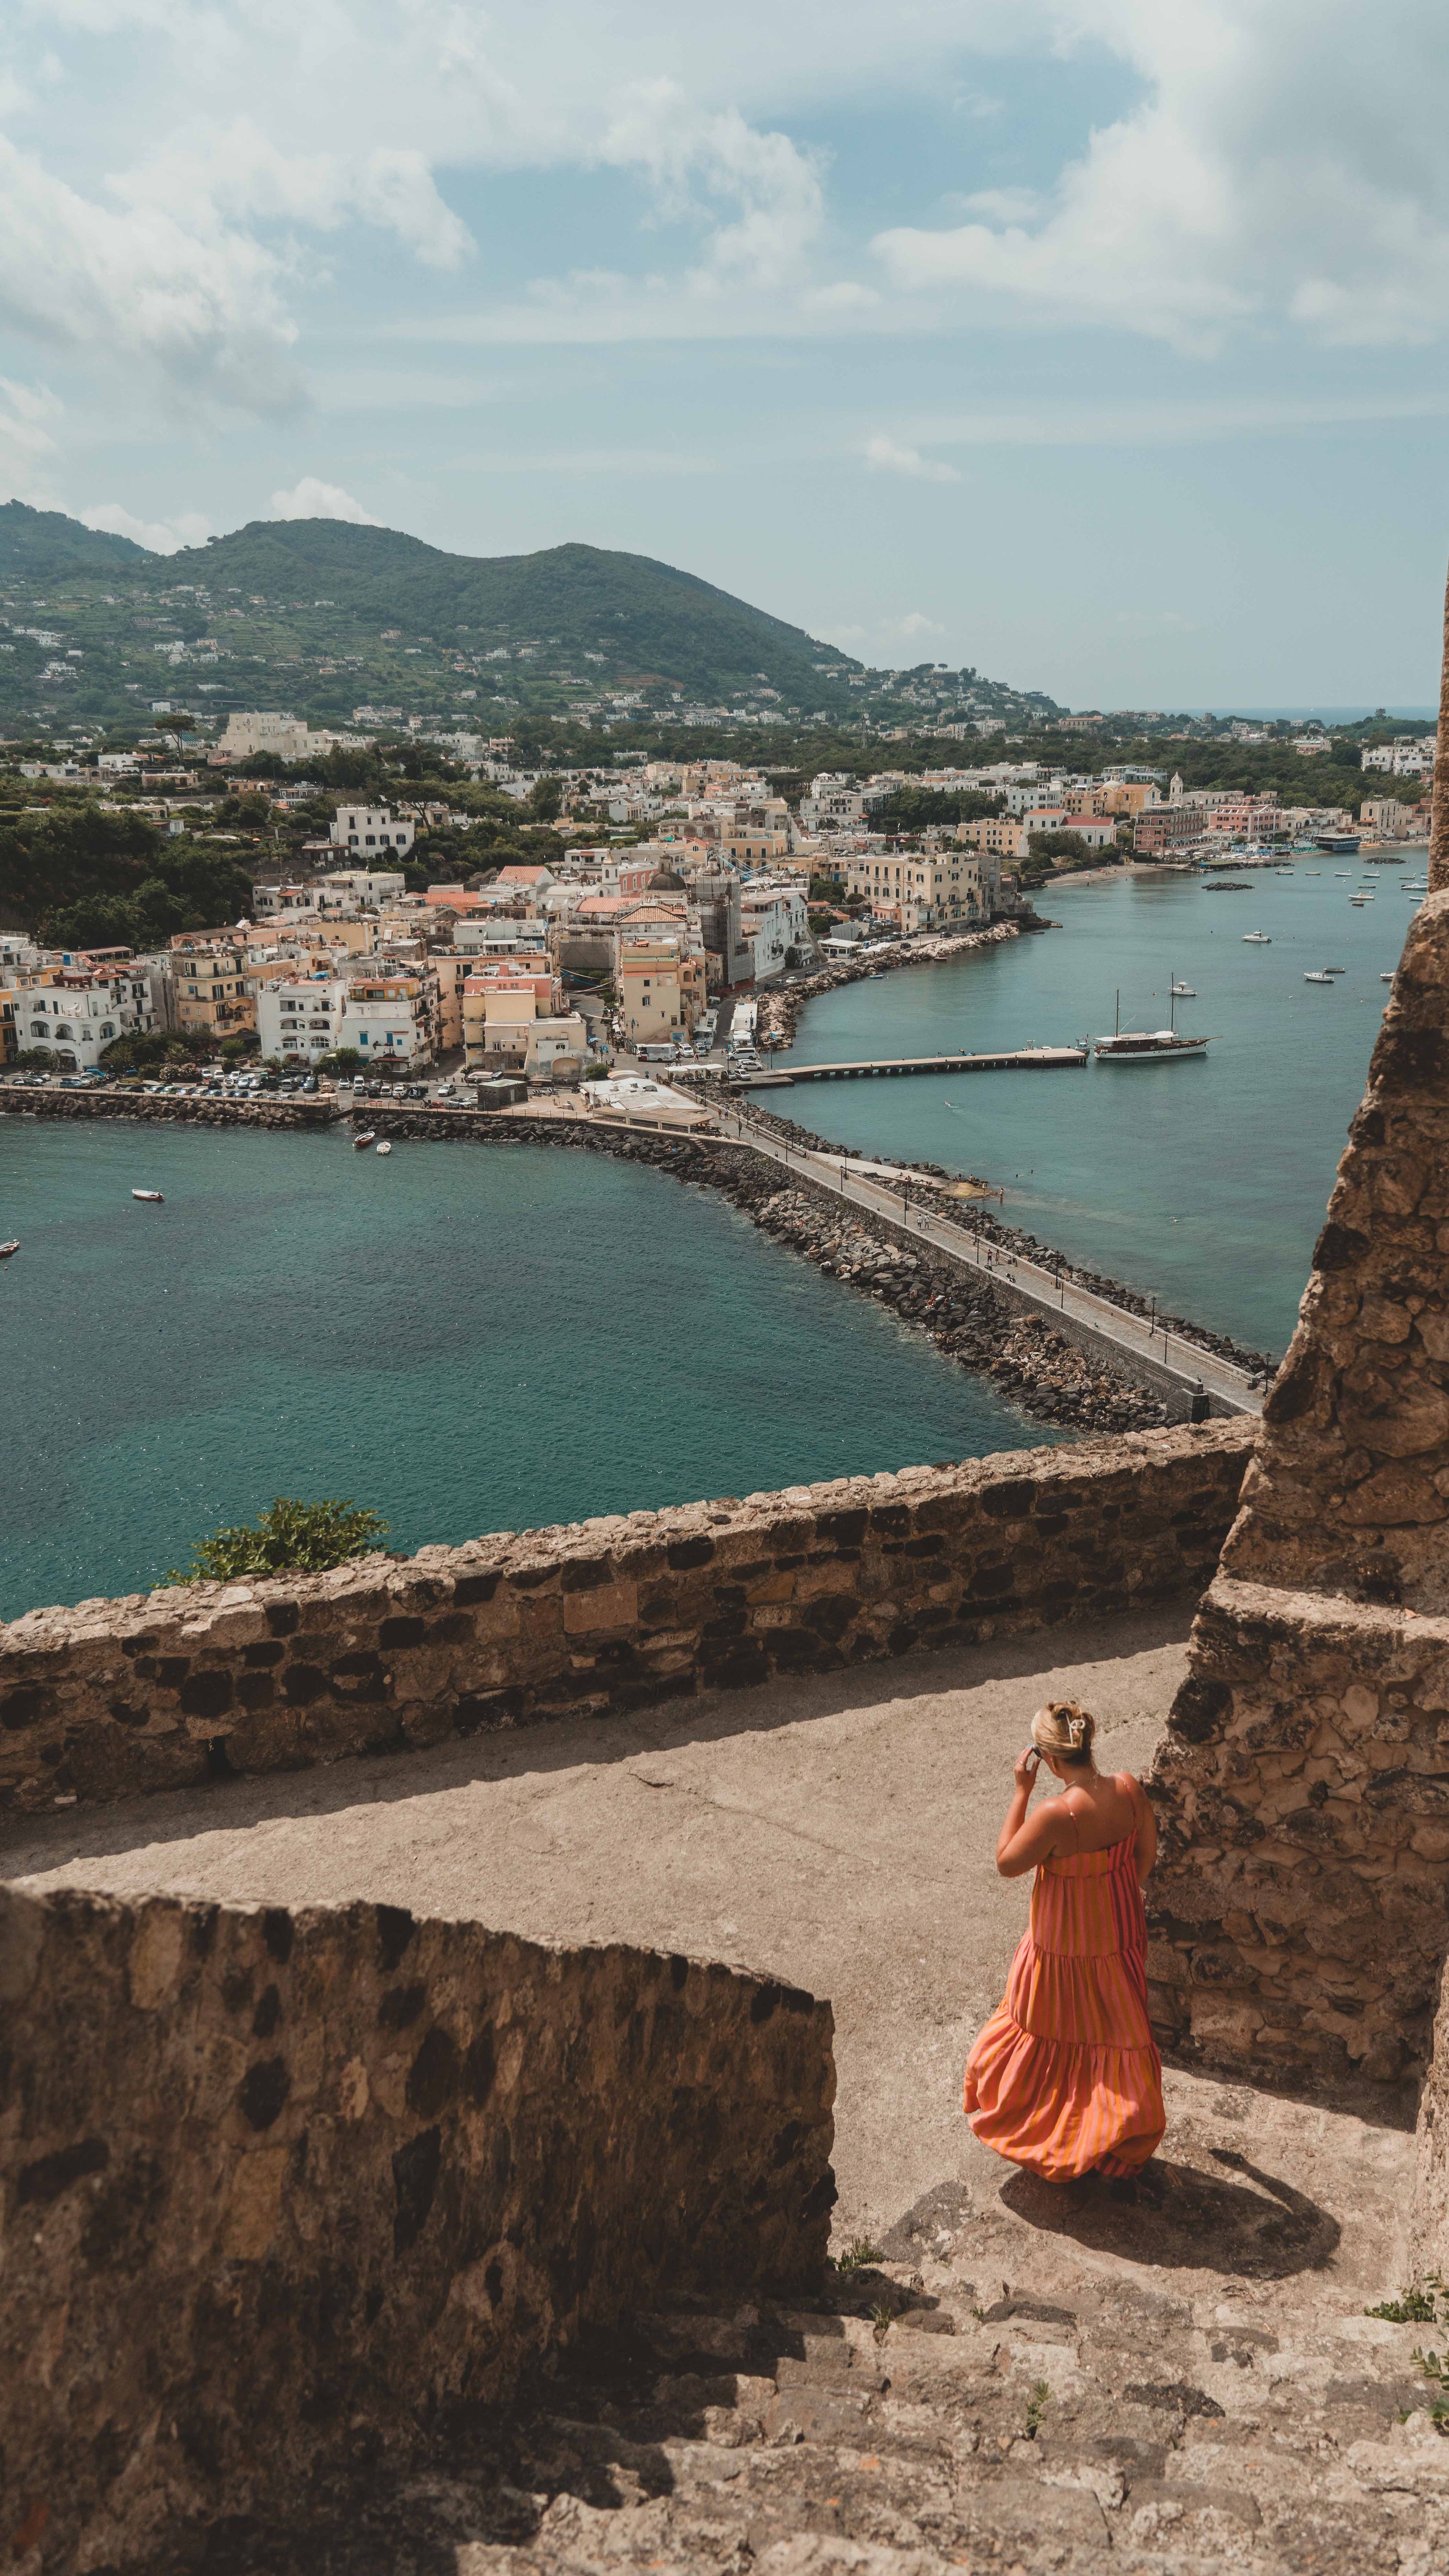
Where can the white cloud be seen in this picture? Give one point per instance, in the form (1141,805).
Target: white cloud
(312,499)
(162,536)
(892,456)
(910,629)
(1284,169)
(28,415)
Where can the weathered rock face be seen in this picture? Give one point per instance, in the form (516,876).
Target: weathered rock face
(1349,1491)
(1302,1905)
(309,2191)
(159,1691)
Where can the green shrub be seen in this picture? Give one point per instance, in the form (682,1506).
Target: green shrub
(290,1538)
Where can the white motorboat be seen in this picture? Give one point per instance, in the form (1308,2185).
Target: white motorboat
(152,1197)
(1257,939)
(7,1248)
(1388,978)
(384,1147)
(1183,992)
(1318,977)
(1313,872)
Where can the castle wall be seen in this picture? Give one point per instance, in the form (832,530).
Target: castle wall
(1301,1908)
(161,1690)
(307,2192)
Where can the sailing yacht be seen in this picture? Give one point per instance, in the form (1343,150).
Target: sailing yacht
(1147,1046)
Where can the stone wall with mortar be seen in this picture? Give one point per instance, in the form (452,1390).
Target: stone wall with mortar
(305,2193)
(1301,1911)
(160,1690)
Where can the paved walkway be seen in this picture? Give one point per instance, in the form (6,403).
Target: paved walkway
(1039,1286)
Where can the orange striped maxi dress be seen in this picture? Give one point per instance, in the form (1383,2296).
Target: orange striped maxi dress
(1065,2077)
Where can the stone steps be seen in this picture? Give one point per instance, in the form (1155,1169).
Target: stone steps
(906,2420)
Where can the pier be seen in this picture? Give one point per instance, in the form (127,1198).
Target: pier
(1045,1059)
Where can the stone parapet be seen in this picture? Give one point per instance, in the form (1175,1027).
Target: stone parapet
(162,1690)
(1300,1908)
(301,2193)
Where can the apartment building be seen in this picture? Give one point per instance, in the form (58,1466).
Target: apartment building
(210,987)
(1165,828)
(662,985)
(359,828)
(775,919)
(947,889)
(79,1008)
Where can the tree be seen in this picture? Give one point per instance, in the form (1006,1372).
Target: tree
(290,1537)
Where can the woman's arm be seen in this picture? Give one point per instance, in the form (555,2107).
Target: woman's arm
(1025,1841)
(1146,1830)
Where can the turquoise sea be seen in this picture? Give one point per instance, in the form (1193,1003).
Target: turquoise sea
(501,1338)
(465,1339)
(1202,1180)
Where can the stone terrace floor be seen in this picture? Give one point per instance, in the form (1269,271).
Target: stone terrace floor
(839,1833)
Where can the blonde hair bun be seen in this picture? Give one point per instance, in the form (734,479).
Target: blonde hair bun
(1064,1728)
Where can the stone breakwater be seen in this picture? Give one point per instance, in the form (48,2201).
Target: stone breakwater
(307,2192)
(153,1111)
(1046,1375)
(976,1219)
(204,1680)
(779,1011)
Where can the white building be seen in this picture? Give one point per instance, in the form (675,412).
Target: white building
(1411,757)
(359,828)
(302,1017)
(349,889)
(80,1010)
(774,919)
(286,737)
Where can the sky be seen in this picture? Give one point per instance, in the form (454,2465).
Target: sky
(1099,344)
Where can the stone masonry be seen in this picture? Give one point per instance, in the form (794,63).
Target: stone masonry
(300,2192)
(206,1680)
(1302,1904)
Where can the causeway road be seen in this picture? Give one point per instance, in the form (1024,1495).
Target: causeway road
(1229,1387)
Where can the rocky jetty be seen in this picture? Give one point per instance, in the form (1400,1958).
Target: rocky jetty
(975,1217)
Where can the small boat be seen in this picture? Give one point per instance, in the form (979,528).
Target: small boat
(361,1143)
(1257,939)
(384,1147)
(1183,992)
(152,1197)
(1383,979)
(7,1248)
(1335,970)
(1313,872)
(1145,1046)
(1320,977)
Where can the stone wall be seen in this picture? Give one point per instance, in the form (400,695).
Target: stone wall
(305,2193)
(156,1691)
(151,1110)
(1302,1905)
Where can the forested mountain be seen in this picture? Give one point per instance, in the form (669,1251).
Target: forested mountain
(325,620)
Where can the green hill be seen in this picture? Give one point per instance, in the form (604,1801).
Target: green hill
(319,616)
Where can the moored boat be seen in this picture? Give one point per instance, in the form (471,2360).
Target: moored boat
(7,1248)
(152,1197)
(361,1143)
(1257,939)
(384,1147)
(1318,977)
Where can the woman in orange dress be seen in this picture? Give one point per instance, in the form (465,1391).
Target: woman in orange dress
(1065,2078)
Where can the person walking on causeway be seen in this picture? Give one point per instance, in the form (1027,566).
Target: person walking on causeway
(1065,2077)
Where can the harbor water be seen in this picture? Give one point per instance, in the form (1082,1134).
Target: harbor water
(1201,1181)
(464,1339)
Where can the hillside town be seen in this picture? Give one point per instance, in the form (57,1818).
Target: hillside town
(671,885)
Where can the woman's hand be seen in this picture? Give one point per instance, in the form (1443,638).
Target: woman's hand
(1027,1766)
